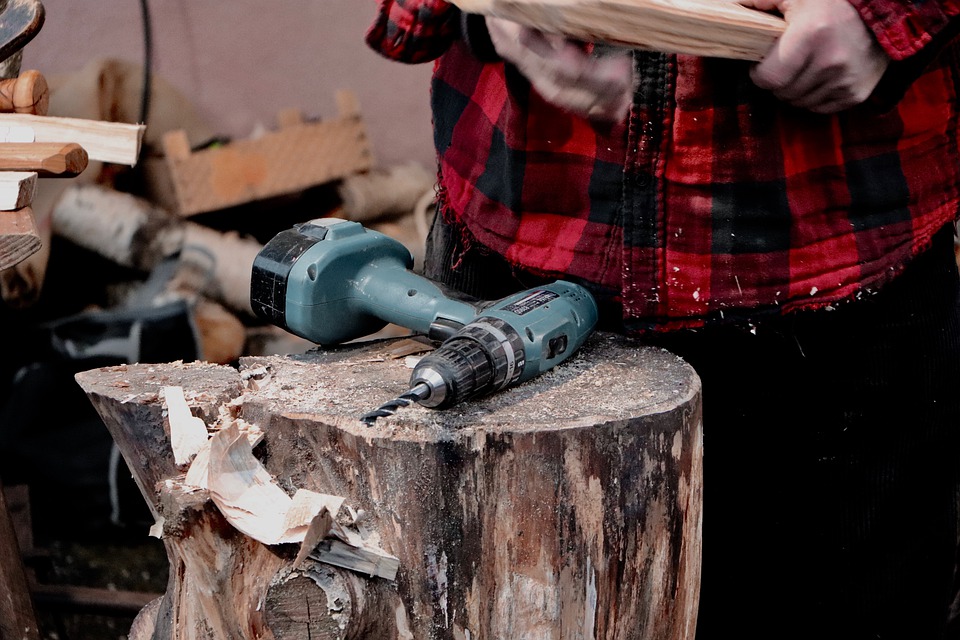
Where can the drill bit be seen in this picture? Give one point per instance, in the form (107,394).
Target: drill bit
(420,391)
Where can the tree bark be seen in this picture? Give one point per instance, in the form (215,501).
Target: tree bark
(17,619)
(566,508)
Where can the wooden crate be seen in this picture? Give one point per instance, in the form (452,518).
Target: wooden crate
(295,157)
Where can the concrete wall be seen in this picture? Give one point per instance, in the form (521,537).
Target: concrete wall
(241,61)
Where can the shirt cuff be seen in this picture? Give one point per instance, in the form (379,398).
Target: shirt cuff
(900,74)
(903,28)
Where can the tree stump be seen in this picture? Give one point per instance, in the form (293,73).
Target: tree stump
(566,508)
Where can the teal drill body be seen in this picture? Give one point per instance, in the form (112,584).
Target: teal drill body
(331,281)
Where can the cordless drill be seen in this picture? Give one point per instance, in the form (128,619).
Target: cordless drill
(330,281)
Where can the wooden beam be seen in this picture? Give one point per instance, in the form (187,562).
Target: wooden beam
(17,619)
(115,142)
(47,159)
(19,238)
(70,597)
(712,28)
(17,189)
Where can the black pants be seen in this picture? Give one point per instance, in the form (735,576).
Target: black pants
(831,455)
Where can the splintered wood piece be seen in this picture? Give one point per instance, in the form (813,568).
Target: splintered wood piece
(115,142)
(19,238)
(188,434)
(711,28)
(566,507)
(17,189)
(293,158)
(27,93)
(47,159)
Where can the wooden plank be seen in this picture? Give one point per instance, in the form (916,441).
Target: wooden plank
(19,238)
(90,600)
(17,189)
(369,561)
(712,28)
(18,507)
(115,142)
(47,159)
(297,156)
(17,619)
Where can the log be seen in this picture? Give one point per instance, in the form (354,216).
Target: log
(568,507)
(17,619)
(17,189)
(134,233)
(19,237)
(712,28)
(27,93)
(384,193)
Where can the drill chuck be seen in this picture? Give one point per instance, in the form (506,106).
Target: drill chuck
(514,340)
(485,356)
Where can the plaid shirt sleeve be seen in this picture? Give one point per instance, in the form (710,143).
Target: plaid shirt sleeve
(905,27)
(414,31)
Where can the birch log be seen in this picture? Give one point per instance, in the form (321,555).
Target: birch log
(566,508)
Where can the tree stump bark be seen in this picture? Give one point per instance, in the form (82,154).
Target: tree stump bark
(17,618)
(566,508)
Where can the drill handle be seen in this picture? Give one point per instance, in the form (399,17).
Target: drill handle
(414,302)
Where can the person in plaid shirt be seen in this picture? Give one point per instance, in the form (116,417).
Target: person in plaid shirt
(787,228)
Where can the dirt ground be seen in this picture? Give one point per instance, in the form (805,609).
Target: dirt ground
(123,564)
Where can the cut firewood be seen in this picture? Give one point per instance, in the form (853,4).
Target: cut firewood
(222,334)
(386,192)
(17,189)
(188,434)
(103,141)
(19,238)
(47,159)
(134,233)
(16,133)
(712,28)
(88,140)
(27,93)
(17,619)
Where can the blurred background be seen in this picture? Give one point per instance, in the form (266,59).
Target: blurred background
(240,61)
(219,73)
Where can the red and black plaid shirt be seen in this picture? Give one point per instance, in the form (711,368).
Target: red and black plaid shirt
(713,199)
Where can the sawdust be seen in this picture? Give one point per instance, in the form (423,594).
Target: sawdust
(611,379)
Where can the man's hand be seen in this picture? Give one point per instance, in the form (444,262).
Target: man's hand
(594,87)
(826,61)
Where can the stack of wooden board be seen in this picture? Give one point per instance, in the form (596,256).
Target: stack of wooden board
(34,145)
(299,155)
